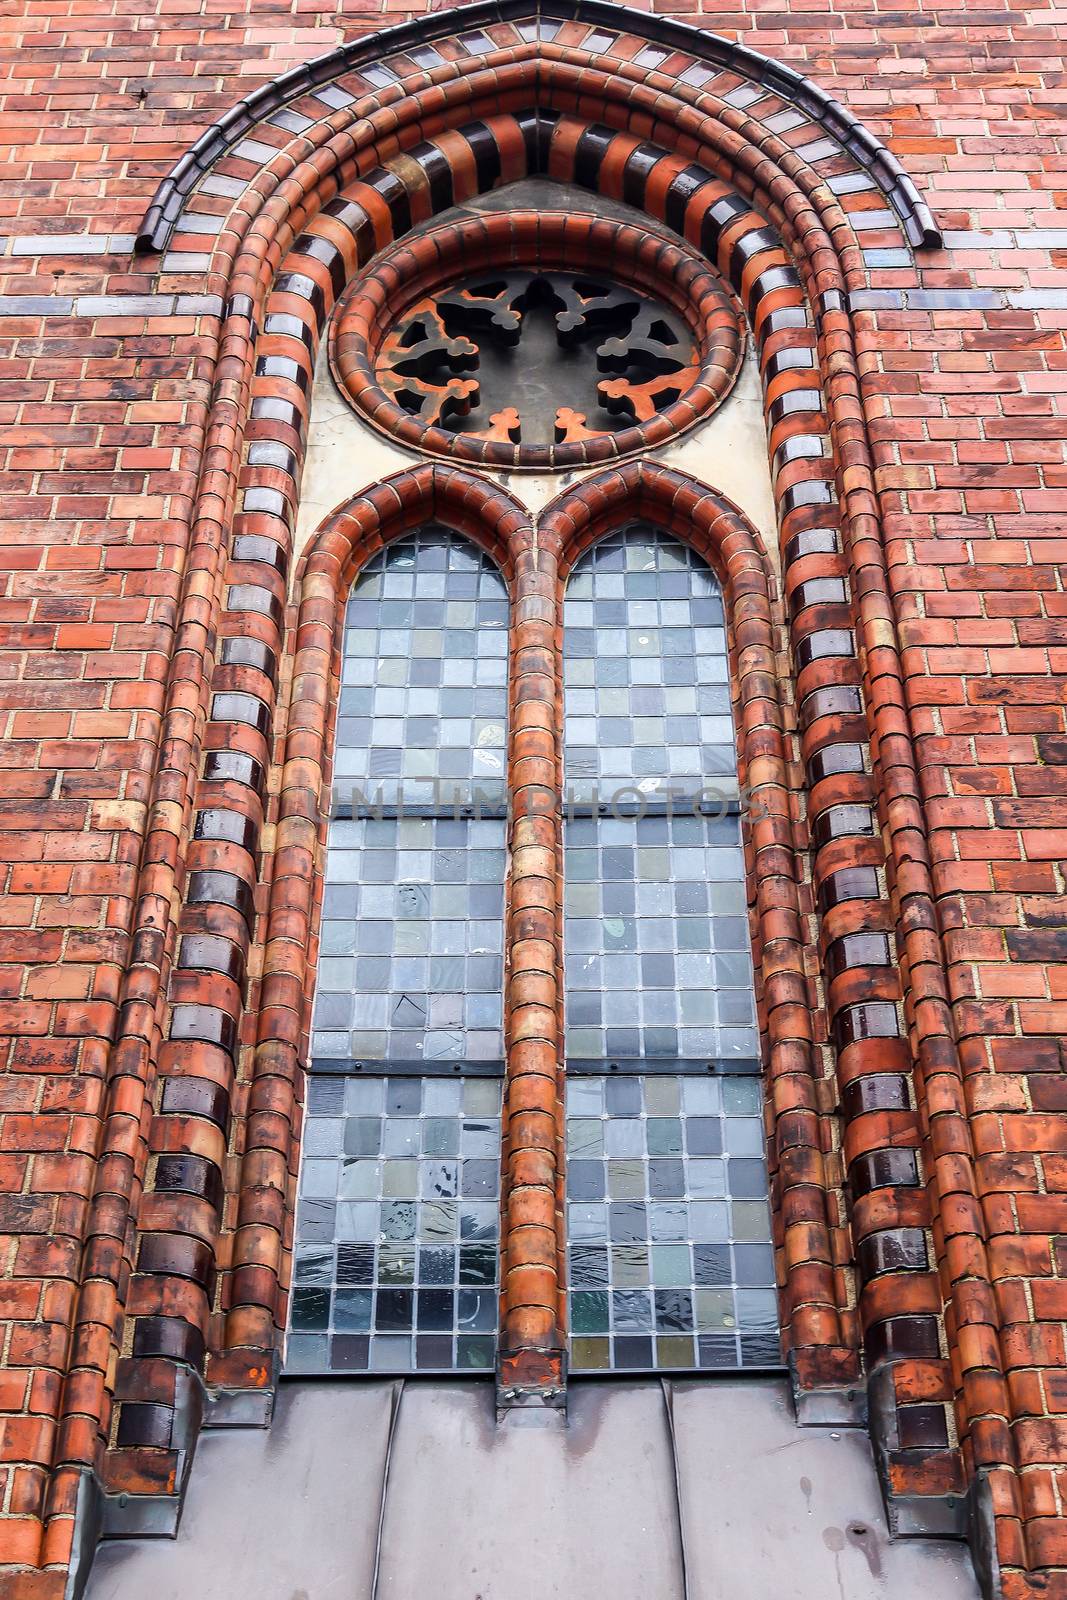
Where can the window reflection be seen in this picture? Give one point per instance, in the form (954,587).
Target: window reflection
(395,1261)
(668,1224)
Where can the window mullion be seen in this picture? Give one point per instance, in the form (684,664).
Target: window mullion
(530,1360)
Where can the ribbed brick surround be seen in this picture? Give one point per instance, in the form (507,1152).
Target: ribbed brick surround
(893,1181)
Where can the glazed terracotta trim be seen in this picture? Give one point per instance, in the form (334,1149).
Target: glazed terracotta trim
(687,55)
(764,279)
(797,426)
(338,551)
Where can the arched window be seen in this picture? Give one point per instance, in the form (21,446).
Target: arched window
(397,1227)
(671,1264)
(668,1228)
(553,301)
(412,930)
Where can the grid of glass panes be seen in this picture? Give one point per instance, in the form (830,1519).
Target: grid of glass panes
(658,960)
(646,672)
(411,949)
(423,703)
(397,1229)
(397,1239)
(411,953)
(668,1225)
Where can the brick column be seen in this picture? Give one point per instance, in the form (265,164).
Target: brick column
(531,1347)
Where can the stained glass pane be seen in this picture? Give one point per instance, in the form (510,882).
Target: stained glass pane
(668,1224)
(397,1229)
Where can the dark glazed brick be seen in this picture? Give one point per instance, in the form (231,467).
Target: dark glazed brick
(636,173)
(836,700)
(834,759)
(892,1250)
(235,767)
(902,1337)
(206,953)
(146,1425)
(170,1338)
(486,156)
(253,547)
(840,822)
(683,188)
(875,1091)
(717,218)
(327,255)
(189,1175)
(359,225)
(883,1169)
(858,950)
(232,826)
(245,652)
(922,1427)
(198,1097)
(221,888)
(592,148)
(872,1021)
(242,708)
(438,175)
(852,883)
(297,283)
(205,1024)
(175,1255)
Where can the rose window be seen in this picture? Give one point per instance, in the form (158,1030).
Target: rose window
(570,340)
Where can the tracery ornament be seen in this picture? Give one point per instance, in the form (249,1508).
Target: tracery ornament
(505,341)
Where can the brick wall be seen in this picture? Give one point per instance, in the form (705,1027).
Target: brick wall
(108,361)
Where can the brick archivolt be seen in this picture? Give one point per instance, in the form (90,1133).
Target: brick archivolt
(218,1161)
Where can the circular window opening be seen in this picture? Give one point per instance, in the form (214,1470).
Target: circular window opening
(536,340)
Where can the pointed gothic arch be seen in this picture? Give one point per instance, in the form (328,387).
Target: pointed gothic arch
(349,154)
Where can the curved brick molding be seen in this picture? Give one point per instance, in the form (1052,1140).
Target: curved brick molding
(430,264)
(206,1011)
(817,1329)
(382,54)
(533,1283)
(190,1123)
(850,884)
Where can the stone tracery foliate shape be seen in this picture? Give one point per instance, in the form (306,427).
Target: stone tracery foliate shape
(649,362)
(565,349)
